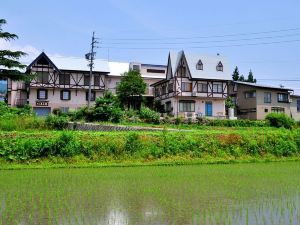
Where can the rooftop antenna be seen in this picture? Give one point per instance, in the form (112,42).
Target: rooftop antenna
(90,57)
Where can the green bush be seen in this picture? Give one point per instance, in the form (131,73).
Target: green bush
(56,122)
(280,120)
(149,116)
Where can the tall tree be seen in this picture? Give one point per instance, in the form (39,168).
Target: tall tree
(131,89)
(10,66)
(251,78)
(242,78)
(236,74)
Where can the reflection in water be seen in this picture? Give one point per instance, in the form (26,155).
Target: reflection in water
(116,217)
(219,194)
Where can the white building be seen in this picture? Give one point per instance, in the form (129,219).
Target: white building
(63,83)
(195,85)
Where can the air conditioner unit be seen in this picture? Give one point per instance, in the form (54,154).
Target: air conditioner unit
(290,100)
(194,93)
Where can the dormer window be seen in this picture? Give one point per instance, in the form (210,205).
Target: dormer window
(220,66)
(199,65)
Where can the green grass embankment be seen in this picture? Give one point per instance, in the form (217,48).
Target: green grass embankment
(93,149)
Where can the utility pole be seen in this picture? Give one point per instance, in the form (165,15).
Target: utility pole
(90,57)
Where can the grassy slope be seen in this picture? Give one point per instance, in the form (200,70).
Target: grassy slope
(220,145)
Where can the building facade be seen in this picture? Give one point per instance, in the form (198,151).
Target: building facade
(63,83)
(195,85)
(254,101)
(295,107)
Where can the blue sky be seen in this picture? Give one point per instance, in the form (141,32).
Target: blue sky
(260,35)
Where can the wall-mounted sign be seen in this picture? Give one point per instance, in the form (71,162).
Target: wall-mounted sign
(42,103)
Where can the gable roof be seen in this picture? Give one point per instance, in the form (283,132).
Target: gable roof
(42,55)
(72,63)
(210,63)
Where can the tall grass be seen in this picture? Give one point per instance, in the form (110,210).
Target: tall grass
(148,146)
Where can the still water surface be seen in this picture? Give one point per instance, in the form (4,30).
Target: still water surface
(204,194)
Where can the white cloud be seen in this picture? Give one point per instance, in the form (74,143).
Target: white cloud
(31,51)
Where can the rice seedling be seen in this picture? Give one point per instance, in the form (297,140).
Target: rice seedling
(202,194)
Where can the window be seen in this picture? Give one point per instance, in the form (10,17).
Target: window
(250,94)
(277,109)
(43,77)
(42,94)
(65,95)
(163,89)
(220,66)
(156,92)
(186,86)
(155,71)
(267,97)
(266,110)
(97,80)
(283,97)
(199,65)
(86,80)
(186,106)
(170,87)
(64,79)
(168,107)
(93,95)
(136,67)
(298,105)
(202,87)
(182,71)
(217,88)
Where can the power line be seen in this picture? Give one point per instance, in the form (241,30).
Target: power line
(202,42)
(199,47)
(204,37)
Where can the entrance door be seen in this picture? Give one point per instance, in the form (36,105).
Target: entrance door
(208,109)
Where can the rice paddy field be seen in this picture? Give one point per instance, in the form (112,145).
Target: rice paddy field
(254,193)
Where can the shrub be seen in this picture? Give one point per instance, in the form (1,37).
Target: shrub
(106,109)
(149,115)
(56,111)
(56,122)
(66,145)
(280,120)
(202,120)
(178,120)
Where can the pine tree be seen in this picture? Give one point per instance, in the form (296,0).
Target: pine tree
(9,60)
(251,78)
(242,78)
(236,74)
